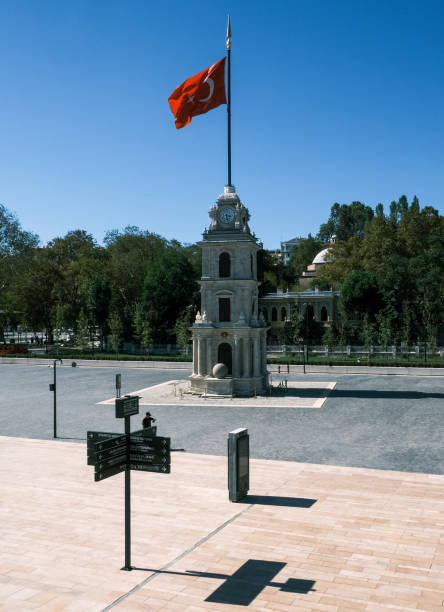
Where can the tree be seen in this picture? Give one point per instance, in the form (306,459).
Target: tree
(181,330)
(97,303)
(16,250)
(360,295)
(138,323)
(168,288)
(82,331)
(302,255)
(130,254)
(116,328)
(346,221)
(147,336)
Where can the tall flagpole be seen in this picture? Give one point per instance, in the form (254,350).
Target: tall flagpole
(229,98)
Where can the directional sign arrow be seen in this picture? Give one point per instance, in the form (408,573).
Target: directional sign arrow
(109,453)
(145,467)
(92,437)
(106,473)
(149,459)
(101,465)
(112,443)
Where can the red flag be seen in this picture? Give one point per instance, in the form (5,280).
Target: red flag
(199,94)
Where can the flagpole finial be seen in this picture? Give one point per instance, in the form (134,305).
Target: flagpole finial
(228,33)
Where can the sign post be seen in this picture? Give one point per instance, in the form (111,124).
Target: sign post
(127,567)
(112,453)
(126,407)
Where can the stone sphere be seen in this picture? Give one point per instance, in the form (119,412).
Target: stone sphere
(220,370)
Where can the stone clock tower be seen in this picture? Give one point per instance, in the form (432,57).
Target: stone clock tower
(228,330)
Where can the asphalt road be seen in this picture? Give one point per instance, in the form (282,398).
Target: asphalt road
(383,422)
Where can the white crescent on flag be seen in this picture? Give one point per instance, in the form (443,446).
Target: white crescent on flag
(211,84)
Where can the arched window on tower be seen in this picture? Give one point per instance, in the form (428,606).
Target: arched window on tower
(324,314)
(265,313)
(309,312)
(274,314)
(224,265)
(283,314)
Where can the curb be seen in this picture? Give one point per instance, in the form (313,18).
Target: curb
(273,368)
(101,363)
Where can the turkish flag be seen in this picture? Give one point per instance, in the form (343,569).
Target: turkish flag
(199,94)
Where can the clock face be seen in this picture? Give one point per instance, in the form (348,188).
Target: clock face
(226,214)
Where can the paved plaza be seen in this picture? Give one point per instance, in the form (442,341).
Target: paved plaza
(383,422)
(345,510)
(308,537)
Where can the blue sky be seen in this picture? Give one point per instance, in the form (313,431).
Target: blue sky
(331,102)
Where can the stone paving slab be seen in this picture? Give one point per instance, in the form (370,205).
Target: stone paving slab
(298,394)
(308,537)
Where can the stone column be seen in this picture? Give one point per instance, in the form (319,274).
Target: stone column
(256,356)
(264,352)
(236,358)
(200,361)
(195,355)
(246,357)
(209,360)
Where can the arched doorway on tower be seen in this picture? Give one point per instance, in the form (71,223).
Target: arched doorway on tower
(225,355)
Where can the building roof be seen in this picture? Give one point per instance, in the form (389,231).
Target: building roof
(322,257)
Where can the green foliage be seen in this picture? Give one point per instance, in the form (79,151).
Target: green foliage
(331,336)
(147,336)
(320,283)
(116,329)
(302,255)
(138,321)
(16,250)
(346,221)
(181,330)
(388,267)
(168,285)
(82,331)
(360,295)
(404,254)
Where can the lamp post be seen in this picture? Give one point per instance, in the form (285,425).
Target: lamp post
(53,388)
(301,340)
(305,306)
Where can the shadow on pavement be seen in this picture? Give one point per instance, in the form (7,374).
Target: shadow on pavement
(273,500)
(242,587)
(364,393)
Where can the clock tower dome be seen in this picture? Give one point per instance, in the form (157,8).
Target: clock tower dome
(229,330)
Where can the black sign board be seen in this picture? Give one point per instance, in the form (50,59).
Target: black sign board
(145,467)
(151,444)
(97,436)
(109,453)
(92,437)
(127,406)
(111,471)
(150,459)
(111,443)
(101,465)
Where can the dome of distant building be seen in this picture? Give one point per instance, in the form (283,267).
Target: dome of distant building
(322,257)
